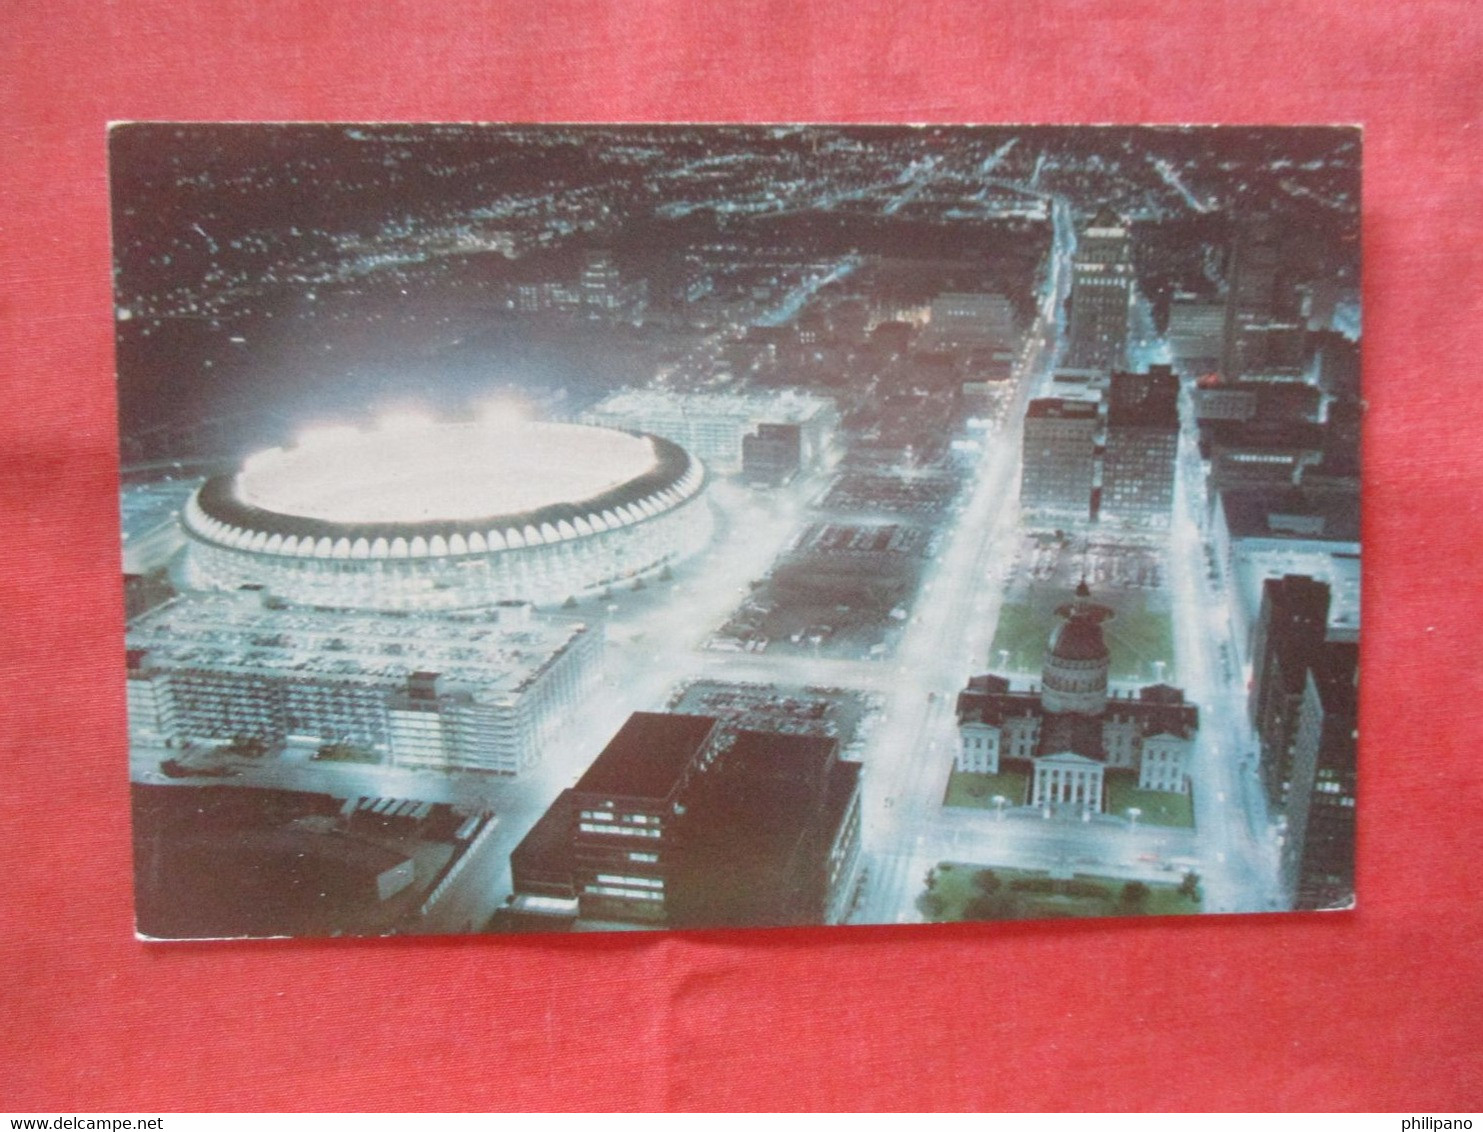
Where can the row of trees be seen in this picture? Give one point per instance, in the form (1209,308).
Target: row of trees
(993,899)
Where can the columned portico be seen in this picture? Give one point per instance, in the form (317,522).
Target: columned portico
(1067,779)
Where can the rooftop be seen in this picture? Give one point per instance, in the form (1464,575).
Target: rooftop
(783,405)
(1057,408)
(488,653)
(648,756)
(1330,515)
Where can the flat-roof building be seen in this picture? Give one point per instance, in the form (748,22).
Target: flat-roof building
(712,425)
(1318,846)
(1261,533)
(625,808)
(478,690)
(1142,448)
(965,320)
(1059,459)
(1196,332)
(1102,280)
(682,822)
(1286,641)
(770,836)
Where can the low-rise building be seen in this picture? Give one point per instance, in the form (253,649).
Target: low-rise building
(475,691)
(713,425)
(681,822)
(1261,534)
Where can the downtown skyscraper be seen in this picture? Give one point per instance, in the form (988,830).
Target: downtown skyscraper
(1101,292)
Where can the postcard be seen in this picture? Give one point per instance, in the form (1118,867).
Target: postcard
(572,528)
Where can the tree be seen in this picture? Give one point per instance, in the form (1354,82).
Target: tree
(1189,887)
(986,881)
(932,905)
(1000,905)
(1135,895)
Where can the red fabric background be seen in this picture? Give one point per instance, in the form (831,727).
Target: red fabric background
(1378,1009)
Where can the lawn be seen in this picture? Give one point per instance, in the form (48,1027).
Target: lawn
(956,894)
(1136,637)
(978,790)
(1158,808)
(1023,633)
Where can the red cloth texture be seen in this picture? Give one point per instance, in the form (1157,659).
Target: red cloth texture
(1377,1009)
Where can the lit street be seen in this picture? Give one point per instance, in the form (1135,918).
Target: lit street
(461,448)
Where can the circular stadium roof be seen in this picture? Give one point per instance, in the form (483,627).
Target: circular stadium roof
(442,472)
(442,489)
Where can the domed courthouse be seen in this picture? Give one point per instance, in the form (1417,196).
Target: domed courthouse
(1071,730)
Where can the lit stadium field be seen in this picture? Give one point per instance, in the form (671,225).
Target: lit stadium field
(417,514)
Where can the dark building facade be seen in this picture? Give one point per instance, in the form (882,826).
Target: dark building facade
(1260,453)
(1101,292)
(1318,848)
(772,455)
(1142,448)
(680,823)
(1264,335)
(625,809)
(1257,400)
(960,320)
(1059,458)
(1196,332)
(770,836)
(1286,640)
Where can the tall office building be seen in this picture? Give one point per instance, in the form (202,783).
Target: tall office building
(1101,293)
(1059,458)
(1318,850)
(1142,448)
(603,292)
(1196,332)
(1286,640)
(1264,336)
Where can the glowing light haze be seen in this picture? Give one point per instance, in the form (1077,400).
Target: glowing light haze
(442,471)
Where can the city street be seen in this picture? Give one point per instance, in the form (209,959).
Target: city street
(881,560)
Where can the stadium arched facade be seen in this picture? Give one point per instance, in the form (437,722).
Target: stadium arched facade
(448,516)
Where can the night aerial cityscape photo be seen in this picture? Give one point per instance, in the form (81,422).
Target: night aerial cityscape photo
(578,528)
